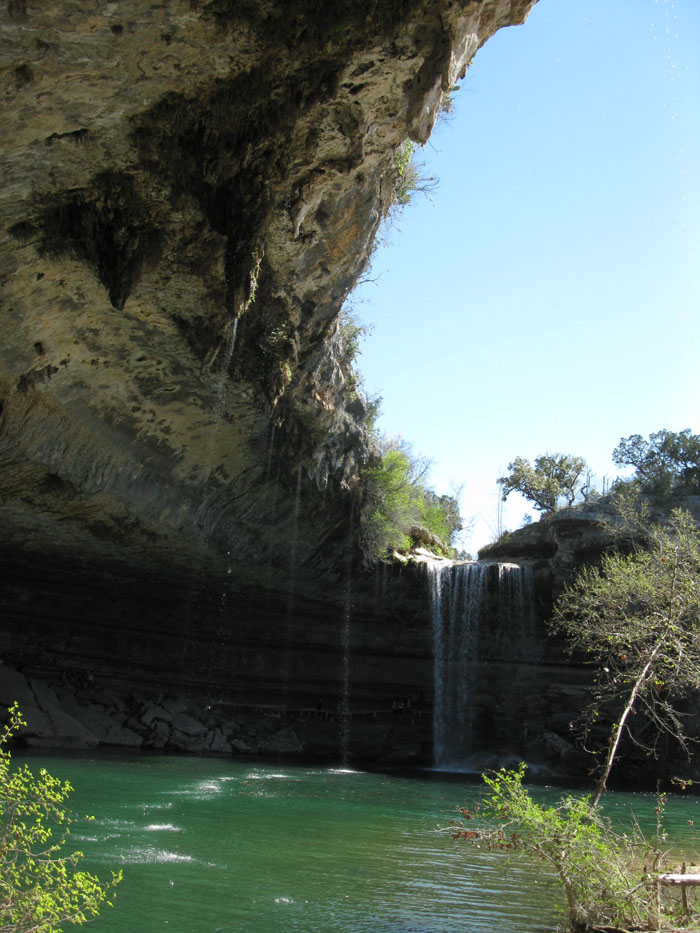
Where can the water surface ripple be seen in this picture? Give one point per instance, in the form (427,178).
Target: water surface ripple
(213,845)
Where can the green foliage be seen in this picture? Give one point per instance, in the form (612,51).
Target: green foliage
(554,480)
(405,172)
(610,880)
(638,616)
(406,177)
(663,463)
(397,508)
(394,503)
(440,515)
(351,333)
(40,886)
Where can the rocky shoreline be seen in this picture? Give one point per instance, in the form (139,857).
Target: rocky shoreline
(74,713)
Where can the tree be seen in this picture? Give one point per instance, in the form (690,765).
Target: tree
(638,616)
(666,461)
(40,886)
(440,514)
(554,477)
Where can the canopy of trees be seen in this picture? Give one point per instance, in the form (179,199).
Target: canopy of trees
(555,480)
(664,462)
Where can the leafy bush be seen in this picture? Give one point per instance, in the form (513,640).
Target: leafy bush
(397,509)
(610,880)
(40,886)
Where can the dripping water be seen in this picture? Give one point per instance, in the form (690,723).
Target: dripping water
(225,366)
(344,704)
(289,614)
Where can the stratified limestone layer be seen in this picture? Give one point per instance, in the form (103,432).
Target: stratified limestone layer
(190,190)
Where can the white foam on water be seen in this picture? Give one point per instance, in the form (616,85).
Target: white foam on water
(149,855)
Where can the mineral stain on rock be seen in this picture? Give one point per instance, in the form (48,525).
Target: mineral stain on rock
(108,225)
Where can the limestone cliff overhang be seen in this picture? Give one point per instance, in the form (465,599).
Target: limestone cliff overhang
(189,192)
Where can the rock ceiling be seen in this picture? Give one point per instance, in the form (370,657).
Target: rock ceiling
(170,172)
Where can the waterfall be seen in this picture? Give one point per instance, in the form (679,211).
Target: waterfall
(480,612)
(223,374)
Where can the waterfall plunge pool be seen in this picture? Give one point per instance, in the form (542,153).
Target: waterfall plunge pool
(211,845)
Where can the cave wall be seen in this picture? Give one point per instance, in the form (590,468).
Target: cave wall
(190,190)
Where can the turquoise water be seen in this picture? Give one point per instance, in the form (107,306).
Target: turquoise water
(215,845)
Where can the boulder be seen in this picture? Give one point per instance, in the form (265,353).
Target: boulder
(197,744)
(284,742)
(219,743)
(46,697)
(158,735)
(107,730)
(187,725)
(47,724)
(56,730)
(14,687)
(106,698)
(154,712)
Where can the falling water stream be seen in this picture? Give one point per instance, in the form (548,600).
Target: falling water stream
(460,608)
(344,706)
(225,366)
(292,575)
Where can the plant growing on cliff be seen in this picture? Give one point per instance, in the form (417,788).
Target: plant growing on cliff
(406,178)
(555,480)
(397,508)
(40,885)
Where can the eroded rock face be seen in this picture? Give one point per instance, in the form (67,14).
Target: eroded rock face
(189,192)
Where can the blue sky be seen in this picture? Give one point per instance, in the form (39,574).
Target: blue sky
(546,298)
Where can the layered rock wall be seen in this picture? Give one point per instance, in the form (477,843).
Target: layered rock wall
(190,190)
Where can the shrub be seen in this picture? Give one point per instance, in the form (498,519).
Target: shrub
(610,879)
(40,886)
(396,505)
